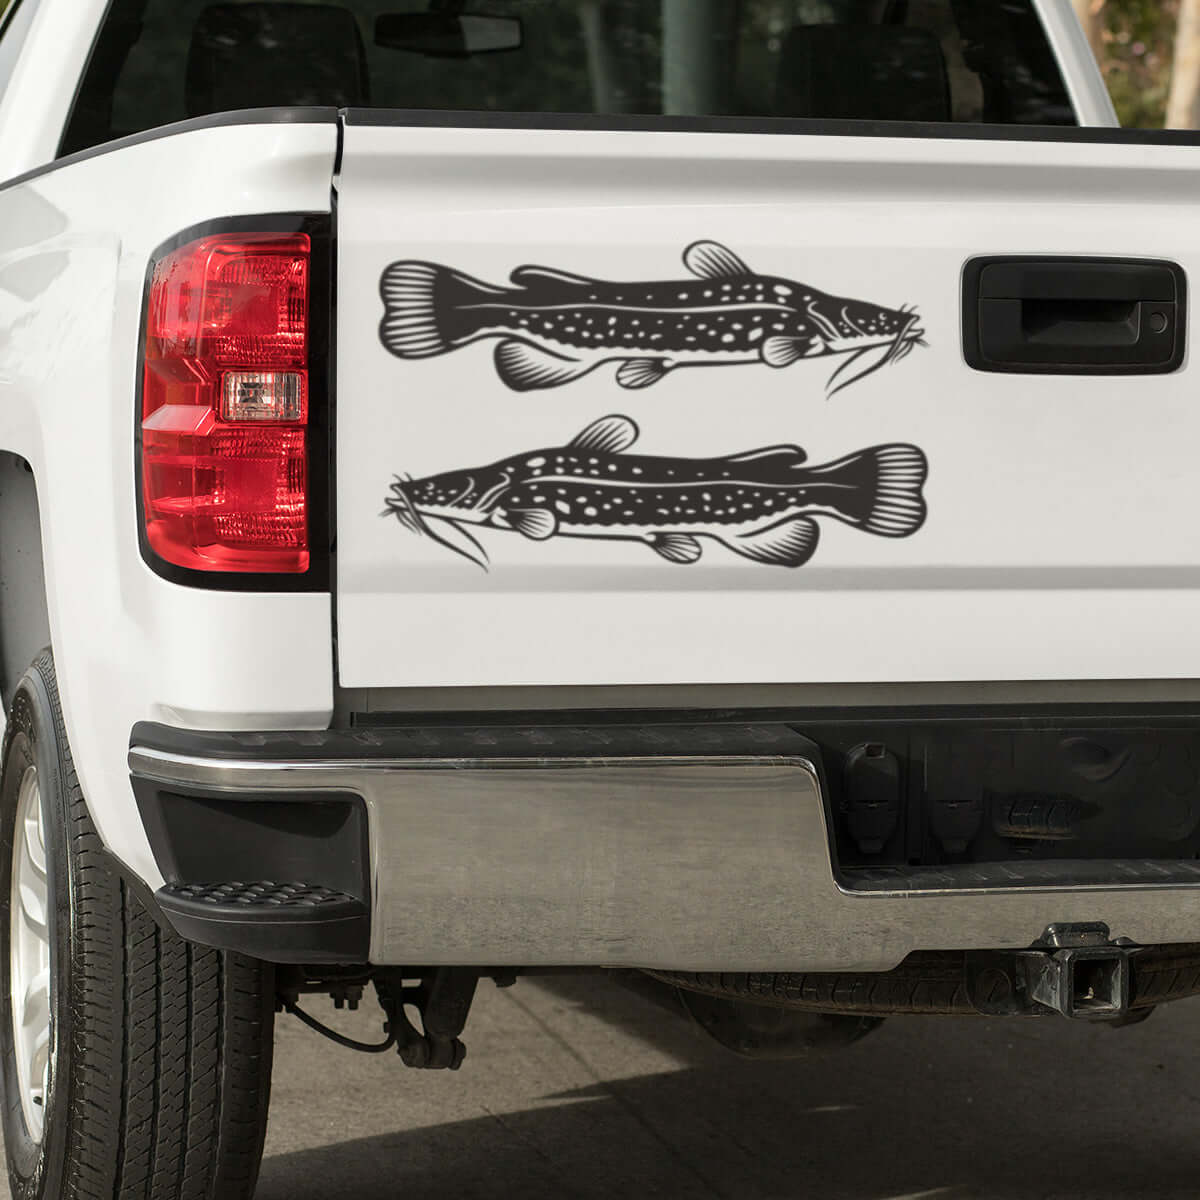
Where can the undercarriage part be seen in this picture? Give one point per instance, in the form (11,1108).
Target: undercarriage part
(764,1031)
(339,1038)
(1036,982)
(748,1029)
(442,997)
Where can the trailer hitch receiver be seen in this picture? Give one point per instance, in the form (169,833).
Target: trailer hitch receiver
(1080,972)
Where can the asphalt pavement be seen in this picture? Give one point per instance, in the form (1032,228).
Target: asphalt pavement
(575,1087)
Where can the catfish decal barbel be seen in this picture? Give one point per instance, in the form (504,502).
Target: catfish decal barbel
(553,327)
(763,505)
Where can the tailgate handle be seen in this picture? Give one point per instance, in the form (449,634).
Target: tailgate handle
(1074,316)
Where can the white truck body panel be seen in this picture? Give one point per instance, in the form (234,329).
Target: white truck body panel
(33,115)
(1081,72)
(130,646)
(1059,540)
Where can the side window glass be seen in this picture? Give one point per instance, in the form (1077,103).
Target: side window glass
(13,28)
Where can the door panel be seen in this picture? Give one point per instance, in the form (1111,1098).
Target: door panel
(947,523)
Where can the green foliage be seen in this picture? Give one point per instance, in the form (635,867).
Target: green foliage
(1138,44)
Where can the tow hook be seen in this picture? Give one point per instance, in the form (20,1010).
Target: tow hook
(1081,972)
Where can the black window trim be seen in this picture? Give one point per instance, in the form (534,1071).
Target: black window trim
(6,18)
(797,126)
(10,14)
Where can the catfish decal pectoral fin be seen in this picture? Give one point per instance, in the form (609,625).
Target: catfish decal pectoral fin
(525,368)
(781,352)
(537,524)
(789,544)
(711,260)
(680,548)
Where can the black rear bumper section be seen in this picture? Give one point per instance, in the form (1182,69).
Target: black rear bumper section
(285,880)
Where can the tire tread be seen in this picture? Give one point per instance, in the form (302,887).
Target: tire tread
(169,1065)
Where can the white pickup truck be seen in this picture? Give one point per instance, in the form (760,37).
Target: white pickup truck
(694,489)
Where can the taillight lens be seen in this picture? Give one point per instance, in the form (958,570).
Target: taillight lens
(225,405)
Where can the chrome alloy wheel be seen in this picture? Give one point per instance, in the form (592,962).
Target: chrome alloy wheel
(29,968)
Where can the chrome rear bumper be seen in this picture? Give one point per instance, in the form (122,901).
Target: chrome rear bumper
(693,862)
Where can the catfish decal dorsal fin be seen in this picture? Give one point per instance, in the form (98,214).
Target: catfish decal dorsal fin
(528,276)
(609,435)
(641,372)
(789,544)
(711,260)
(679,548)
(785,455)
(527,368)
(537,524)
(783,351)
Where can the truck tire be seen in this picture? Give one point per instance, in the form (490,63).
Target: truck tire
(138,1065)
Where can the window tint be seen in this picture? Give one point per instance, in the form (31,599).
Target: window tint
(13,28)
(158,61)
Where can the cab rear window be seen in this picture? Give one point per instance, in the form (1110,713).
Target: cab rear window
(158,61)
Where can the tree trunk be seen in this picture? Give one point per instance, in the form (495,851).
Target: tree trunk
(1091,17)
(1183,108)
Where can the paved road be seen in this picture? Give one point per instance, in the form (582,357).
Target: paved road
(576,1088)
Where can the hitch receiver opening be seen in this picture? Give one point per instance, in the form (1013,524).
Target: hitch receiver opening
(1081,973)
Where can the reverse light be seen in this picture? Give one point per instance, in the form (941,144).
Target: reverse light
(224,442)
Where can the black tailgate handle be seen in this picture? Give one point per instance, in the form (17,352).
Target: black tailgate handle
(1074,316)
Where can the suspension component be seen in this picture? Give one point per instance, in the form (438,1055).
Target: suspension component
(443,998)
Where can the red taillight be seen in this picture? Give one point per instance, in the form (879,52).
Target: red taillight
(225,405)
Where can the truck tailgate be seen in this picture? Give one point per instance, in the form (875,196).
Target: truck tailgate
(629,407)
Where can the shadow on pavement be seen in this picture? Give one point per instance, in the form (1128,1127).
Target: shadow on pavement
(923,1108)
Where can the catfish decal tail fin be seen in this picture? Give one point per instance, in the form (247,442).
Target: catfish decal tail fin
(419,300)
(880,490)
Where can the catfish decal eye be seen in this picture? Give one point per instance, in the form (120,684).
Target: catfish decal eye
(551,327)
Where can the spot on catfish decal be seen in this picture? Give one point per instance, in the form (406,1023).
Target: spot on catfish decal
(552,327)
(764,504)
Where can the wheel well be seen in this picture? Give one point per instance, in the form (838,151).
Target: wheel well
(24,620)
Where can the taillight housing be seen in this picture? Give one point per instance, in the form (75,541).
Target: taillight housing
(225,405)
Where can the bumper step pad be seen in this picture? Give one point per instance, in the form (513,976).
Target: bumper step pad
(279,922)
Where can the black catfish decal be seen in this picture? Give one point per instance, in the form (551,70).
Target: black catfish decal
(553,327)
(763,504)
